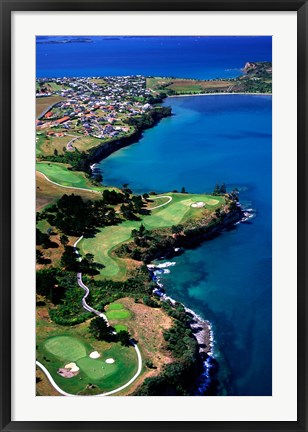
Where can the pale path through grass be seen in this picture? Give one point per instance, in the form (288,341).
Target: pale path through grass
(108,238)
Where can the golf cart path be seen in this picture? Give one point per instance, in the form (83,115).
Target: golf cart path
(86,289)
(56,387)
(101,315)
(66,187)
(161,205)
(94,191)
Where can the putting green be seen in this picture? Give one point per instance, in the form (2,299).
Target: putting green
(110,237)
(115,306)
(96,369)
(66,348)
(212,202)
(57,351)
(120,327)
(118,314)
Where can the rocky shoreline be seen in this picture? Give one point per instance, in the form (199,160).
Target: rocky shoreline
(202,329)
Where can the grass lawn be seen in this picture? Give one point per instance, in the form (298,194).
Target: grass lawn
(59,173)
(118,314)
(43,102)
(115,306)
(58,346)
(120,327)
(177,211)
(47,144)
(47,193)
(66,348)
(95,369)
(187,85)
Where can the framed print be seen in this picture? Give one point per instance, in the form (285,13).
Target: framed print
(153,215)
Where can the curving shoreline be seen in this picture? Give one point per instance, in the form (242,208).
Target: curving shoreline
(220,94)
(202,331)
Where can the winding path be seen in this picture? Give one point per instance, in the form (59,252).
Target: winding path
(69,145)
(101,315)
(94,191)
(62,392)
(66,187)
(86,289)
(92,310)
(161,205)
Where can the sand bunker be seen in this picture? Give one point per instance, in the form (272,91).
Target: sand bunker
(72,366)
(109,360)
(65,373)
(198,204)
(94,355)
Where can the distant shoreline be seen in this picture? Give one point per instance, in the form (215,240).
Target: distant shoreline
(219,94)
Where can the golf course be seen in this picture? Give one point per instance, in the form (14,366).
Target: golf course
(174,212)
(114,367)
(60,174)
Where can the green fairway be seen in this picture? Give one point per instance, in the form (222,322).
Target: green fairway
(173,213)
(65,348)
(59,173)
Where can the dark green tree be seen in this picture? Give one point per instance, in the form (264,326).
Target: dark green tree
(100,330)
(123,337)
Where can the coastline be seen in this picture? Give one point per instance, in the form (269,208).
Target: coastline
(220,94)
(202,331)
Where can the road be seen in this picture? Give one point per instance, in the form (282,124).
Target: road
(69,144)
(46,110)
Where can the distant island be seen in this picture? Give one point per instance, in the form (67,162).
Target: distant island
(104,323)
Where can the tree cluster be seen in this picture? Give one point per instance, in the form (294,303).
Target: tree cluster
(73,216)
(101,331)
(220,189)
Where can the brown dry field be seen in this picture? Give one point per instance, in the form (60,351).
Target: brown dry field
(147,328)
(44,102)
(185,85)
(52,143)
(48,193)
(43,387)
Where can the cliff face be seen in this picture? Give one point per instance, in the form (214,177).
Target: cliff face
(106,149)
(110,147)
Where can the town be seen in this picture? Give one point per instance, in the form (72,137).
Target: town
(98,107)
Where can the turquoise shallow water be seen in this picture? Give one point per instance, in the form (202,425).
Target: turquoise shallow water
(227,280)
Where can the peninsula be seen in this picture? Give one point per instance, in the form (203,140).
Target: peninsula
(104,323)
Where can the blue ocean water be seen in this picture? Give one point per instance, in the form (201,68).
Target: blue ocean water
(210,139)
(227,280)
(191,57)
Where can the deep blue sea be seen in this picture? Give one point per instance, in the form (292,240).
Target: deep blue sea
(190,57)
(209,139)
(227,280)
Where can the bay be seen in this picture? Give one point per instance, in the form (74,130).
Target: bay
(202,57)
(209,140)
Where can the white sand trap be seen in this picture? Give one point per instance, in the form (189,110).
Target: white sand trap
(72,366)
(94,355)
(198,204)
(110,360)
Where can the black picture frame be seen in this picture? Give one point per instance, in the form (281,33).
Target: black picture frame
(7,7)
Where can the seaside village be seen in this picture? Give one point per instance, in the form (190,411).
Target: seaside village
(98,106)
